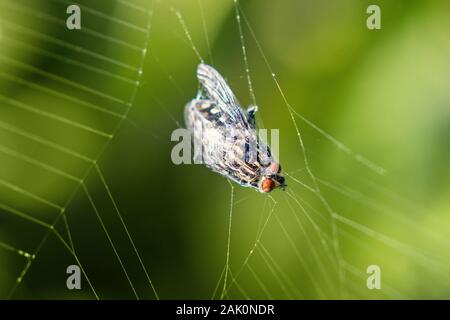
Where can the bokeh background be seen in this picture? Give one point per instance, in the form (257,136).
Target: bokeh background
(76,106)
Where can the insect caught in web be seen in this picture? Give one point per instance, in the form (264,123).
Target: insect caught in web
(226,135)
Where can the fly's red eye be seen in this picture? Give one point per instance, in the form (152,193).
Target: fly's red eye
(267,185)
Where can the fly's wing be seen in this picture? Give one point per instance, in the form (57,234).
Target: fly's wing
(208,110)
(219,92)
(222,149)
(208,127)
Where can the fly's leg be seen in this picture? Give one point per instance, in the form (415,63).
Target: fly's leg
(251,115)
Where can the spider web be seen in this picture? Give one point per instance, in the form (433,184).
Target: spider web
(299,243)
(323,227)
(73,90)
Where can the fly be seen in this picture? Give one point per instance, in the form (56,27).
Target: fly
(226,135)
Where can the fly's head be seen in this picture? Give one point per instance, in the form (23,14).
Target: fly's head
(271,178)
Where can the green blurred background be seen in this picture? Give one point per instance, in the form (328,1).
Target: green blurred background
(68,98)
